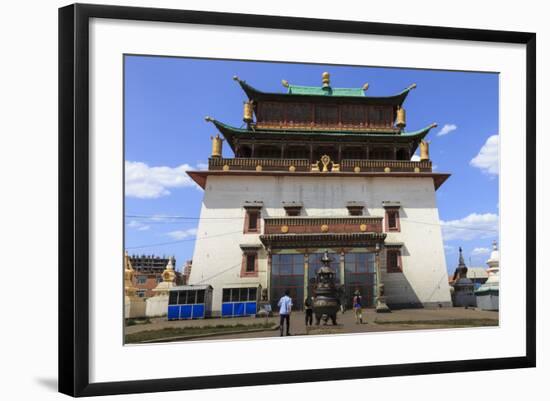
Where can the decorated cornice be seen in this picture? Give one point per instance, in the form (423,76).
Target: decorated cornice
(275,241)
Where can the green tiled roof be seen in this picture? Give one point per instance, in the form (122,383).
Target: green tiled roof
(319,91)
(355,95)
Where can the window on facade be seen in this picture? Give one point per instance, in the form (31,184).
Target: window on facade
(353,153)
(173,298)
(392,220)
(200,296)
(250,263)
(295,152)
(226,295)
(355,211)
(252,221)
(268,152)
(141,279)
(393,261)
(298,113)
(326,114)
(272,113)
(359,268)
(381,154)
(287,273)
(140,293)
(352,115)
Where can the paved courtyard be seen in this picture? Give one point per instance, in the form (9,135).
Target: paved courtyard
(405,319)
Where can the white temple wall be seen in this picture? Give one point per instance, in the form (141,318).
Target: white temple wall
(217,258)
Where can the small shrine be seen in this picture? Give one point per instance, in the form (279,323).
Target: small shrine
(488,294)
(462,288)
(134,306)
(157,305)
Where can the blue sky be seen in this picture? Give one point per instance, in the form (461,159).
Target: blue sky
(166,100)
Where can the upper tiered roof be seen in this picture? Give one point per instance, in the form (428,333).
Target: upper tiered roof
(324,93)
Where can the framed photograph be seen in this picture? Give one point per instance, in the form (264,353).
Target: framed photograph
(251,199)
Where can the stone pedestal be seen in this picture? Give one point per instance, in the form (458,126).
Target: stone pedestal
(325,329)
(381,306)
(134,307)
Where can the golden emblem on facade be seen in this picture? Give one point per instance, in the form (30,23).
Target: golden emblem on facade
(416,170)
(357,169)
(225,167)
(363,227)
(324,228)
(258,167)
(292,169)
(284,229)
(325,161)
(387,169)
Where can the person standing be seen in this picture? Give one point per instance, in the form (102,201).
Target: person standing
(357,307)
(285,307)
(308,303)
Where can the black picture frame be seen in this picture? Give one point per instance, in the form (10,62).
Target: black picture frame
(74,198)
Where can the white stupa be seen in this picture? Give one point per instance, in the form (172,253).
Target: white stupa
(157,305)
(487,294)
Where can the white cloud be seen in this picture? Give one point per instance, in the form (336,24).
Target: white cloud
(415,158)
(446,129)
(487,158)
(182,234)
(138,225)
(145,182)
(481,251)
(473,226)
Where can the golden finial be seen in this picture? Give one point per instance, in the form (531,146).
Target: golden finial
(208,119)
(285,83)
(326,80)
(365,86)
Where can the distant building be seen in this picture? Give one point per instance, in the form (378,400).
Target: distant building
(148,273)
(186,271)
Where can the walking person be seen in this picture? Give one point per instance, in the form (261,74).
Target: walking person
(308,304)
(357,307)
(285,307)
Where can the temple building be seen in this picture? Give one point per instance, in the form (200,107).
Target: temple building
(315,169)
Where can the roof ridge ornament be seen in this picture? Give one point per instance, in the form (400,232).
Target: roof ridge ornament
(326,80)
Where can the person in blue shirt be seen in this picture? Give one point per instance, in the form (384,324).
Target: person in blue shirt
(285,307)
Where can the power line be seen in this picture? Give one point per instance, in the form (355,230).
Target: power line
(182,240)
(240,218)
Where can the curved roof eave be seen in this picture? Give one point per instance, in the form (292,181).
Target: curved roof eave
(255,94)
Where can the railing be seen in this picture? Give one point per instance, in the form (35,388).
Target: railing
(352,165)
(346,165)
(311,225)
(265,164)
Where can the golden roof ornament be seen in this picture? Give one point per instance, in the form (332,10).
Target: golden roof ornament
(217,142)
(326,80)
(169,274)
(365,86)
(285,83)
(247,112)
(424,150)
(129,288)
(401,118)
